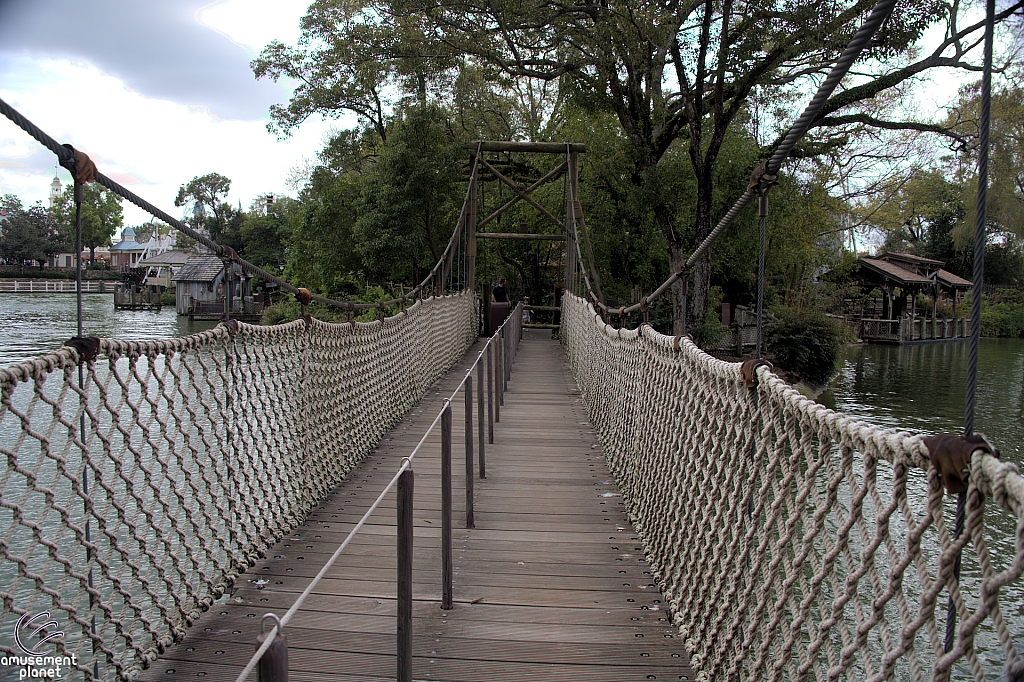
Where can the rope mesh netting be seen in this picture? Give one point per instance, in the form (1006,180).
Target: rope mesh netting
(792,542)
(197,454)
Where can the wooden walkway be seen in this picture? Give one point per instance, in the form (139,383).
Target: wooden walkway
(551,584)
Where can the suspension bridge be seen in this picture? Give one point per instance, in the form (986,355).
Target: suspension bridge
(411,499)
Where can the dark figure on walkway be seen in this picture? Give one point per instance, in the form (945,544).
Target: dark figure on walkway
(499,294)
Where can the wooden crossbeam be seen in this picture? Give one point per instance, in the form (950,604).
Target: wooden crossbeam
(520,235)
(534,147)
(523,194)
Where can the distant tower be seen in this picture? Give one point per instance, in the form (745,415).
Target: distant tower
(54,189)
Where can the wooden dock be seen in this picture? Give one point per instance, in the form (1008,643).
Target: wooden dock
(551,584)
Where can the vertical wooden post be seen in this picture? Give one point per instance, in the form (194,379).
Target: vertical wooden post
(486,326)
(499,373)
(480,411)
(490,394)
(570,244)
(471,229)
(446,506)
(469,452)
(405,544)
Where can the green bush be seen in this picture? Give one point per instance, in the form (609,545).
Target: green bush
(167,297)
(806,344)
(1002,319)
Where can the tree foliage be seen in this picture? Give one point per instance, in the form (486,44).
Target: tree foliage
(28,233)
(102,215)
(671,74)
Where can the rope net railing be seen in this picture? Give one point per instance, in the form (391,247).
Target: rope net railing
(792,542)
(130,503)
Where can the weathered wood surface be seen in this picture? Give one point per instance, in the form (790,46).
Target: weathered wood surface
(550,585)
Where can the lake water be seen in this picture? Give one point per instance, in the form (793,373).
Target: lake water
(922,388)
(32,324)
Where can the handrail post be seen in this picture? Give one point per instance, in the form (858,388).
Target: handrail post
(490,394)
(469,451)
(480,411)
(498,372)
(273,666)
(446,506)
(405,543)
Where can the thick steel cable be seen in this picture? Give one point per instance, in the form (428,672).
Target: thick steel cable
(763,230)
(980,239)
(799,128)
(67,159)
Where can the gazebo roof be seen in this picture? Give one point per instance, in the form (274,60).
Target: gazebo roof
(951,280)
(899,276)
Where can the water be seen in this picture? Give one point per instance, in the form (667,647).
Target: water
(922,388)
(33,324)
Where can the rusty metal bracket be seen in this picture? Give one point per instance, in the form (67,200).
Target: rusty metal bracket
(950,455)
(749,370)
(761,180)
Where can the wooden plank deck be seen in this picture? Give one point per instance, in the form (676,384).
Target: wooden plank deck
(551,584)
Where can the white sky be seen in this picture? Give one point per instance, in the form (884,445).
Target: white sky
(149,143)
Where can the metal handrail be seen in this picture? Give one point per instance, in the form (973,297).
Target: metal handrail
(503,346)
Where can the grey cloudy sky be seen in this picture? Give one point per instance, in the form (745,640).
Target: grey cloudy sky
(156,47)
(157,91)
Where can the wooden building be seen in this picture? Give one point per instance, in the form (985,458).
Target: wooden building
(201,289)
(901,277)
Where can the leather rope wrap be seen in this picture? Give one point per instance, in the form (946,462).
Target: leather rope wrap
(950,456)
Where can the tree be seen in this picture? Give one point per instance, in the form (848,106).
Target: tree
(28,234)
(102,214)
(208,192)
(672,73)
(266,231)
(406,212)
(1006,157)
(319,254)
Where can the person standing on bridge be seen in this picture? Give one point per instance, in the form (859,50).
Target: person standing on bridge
(526,313)
(499,294)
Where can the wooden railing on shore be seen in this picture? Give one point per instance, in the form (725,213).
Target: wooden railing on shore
(54,286)
(904,330)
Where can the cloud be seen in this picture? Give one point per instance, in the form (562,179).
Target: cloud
(159,48)
(159,143)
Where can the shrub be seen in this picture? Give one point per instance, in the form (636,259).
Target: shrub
(806,344)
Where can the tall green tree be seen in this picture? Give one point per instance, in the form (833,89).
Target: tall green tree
(208,192)
(28,233)
(671,73)
(408,208)
(321,253)
(102,215)
(266,230)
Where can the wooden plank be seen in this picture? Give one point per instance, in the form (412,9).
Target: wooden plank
(551,584)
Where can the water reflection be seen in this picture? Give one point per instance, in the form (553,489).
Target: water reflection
(921,388)
(32,324)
